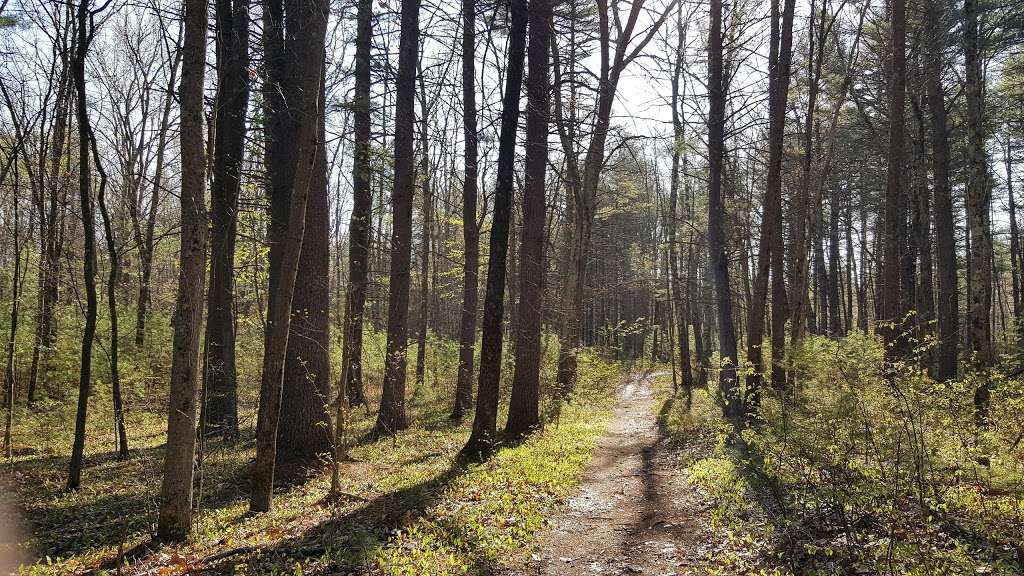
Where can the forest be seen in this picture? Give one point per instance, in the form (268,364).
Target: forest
(511,287)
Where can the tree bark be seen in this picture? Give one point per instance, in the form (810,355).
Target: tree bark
(727,380)
(892,237)
(310,25)
(979,199)
(470,232)
(945,237)
(84,39)
(220,379)
(524,407)
(481,441)
(391,417)
(362,205)
(175,517)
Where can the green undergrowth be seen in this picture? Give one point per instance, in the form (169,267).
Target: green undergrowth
(408,507)
(862,468)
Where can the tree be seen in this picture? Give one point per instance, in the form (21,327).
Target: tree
(175,518)
(362,204)
(481,441)
(892,239)
(85,35)
(220,379)
(680,308)
(727,379)
(470,230)
(770,258)
(309,19)
(945,239)
(523,412)
(112,281)
(979,199)
(391,416)
(303,426)
(582,181)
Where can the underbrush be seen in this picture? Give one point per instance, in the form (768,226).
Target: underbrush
(868,468)
(407,508)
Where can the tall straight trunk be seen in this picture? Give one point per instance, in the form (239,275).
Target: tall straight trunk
(925,294)
(481,441)
(1015,264)
(770,259)
(112,280)
(948,309)
(175,517)
(524,407)
(727,379)
(304,437)
(308,21)
(979,199)
(85,36)
(12,339)
(428,201)
(220,379)
(362,205)
(391,416)
(303,421)
(835,325)
(681,310)
(470,232)
(892,239)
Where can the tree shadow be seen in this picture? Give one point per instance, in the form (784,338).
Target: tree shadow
(350,540)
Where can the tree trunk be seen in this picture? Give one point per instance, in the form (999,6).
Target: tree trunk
(1015,264)
(16,283)
(481,441)
(524,409)
(175,518)
(892,239)
(362,205)
(945,236)
(925,304)
(428,200)
(770,259)
(220,384)
(299,413)
(727,379)
(680,308)
(85,35)
(112,281)
(283,365)
(470,232)
(979,199)
(391,416)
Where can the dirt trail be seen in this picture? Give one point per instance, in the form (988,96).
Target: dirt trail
(633,513)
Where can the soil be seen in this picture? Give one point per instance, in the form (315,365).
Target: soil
(634,512)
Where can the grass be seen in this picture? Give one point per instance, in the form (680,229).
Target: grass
(409,507)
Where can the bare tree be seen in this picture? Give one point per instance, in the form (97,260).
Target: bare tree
(175,518)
